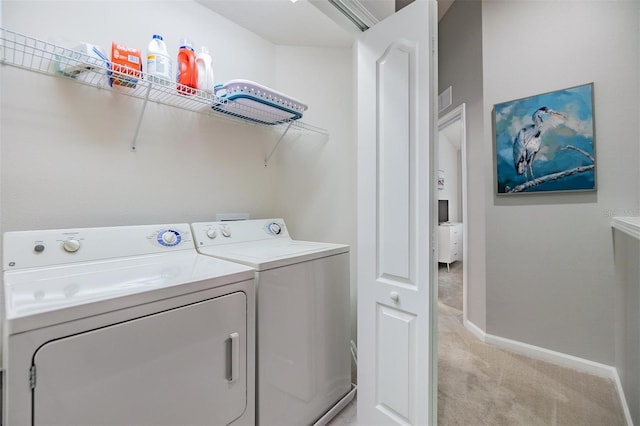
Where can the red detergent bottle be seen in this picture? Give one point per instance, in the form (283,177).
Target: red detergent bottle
(187,75)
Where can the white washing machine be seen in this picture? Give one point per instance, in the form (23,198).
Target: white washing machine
(123,326)
(303,318)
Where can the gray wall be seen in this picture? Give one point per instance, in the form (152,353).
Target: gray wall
(460,66)
(550,269)
(627,329)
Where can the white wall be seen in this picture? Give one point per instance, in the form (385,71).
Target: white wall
(550,264)
(460,66)
(69,145)
(449,162)
(316,175)
(65,148)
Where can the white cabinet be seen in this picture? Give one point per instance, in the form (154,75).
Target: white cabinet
(449,243)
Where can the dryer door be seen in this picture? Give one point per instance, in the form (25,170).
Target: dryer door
(182,366)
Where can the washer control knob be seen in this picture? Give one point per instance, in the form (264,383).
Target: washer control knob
(274,228)
(226,232)
(212,233)
(71,246)
(39,248)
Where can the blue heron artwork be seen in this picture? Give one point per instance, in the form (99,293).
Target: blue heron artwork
(546,143)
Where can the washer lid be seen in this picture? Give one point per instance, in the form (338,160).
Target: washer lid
(269,254)
(40,297)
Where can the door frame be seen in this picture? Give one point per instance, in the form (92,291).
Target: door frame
(458,114)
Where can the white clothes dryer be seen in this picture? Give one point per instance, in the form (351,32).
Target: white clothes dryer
(125,325)
(303,317)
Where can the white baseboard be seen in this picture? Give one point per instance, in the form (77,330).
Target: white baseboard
(553,357)
(558,358)
(474,329)
(623,400)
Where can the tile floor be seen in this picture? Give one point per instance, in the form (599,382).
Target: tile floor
(348,416)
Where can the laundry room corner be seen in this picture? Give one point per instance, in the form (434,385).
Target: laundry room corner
(316,174)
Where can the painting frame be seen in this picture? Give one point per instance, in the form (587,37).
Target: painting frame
(545,143)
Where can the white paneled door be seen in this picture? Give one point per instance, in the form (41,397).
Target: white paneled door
(396,86)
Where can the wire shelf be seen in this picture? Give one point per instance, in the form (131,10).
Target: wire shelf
(29,53)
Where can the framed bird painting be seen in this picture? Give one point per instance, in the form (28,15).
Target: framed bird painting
(546,143)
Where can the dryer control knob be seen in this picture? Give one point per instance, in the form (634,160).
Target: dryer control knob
(169,237)
(212,233)
(274,228)
(226,232)
(71,246)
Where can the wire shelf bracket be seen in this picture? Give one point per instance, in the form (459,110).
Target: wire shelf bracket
(140,117)
(268,157)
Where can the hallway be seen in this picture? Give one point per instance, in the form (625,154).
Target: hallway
(480,384)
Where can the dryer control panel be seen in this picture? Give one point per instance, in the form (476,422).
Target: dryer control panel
(242,231)
(28,249)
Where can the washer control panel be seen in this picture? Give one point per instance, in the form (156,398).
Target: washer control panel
(24,249)
(219,233)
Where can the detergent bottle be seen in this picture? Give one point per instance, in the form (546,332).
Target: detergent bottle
(205,71)
(158,61)
(187,71)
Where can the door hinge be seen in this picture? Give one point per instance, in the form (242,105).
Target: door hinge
(32,377)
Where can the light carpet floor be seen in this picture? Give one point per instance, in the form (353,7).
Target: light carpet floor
(479,384)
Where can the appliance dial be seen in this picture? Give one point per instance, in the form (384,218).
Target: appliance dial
(212,233)
(274,228)
(71,246)
(169,238)
(226,232)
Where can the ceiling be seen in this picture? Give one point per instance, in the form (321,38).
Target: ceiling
(302,23)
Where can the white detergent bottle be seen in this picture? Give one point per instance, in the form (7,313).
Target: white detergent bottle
(158,61)
(205,71)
